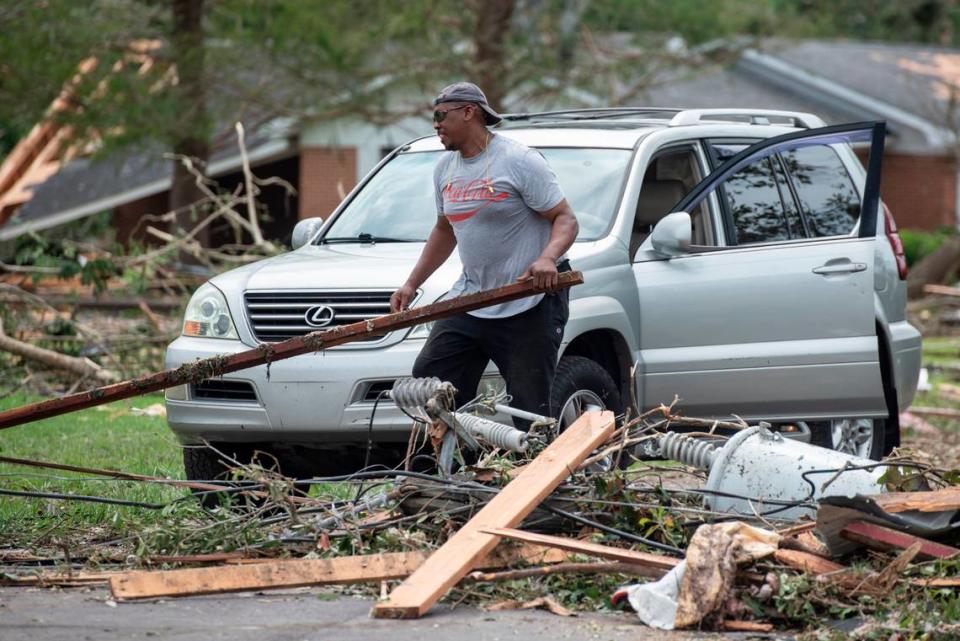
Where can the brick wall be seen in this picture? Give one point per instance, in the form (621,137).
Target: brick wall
(921,191)
(326,175)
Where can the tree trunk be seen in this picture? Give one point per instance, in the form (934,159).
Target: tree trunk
(191,131)
(489,64)
(935,268)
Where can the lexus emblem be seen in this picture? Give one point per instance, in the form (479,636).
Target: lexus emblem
(319,316)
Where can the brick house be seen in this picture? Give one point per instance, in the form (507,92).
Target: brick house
(906,85)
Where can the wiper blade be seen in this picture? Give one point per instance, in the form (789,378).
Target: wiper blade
(366,238)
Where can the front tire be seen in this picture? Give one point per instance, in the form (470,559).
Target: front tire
(203,464)
(581,385)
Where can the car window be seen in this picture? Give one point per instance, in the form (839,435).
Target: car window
(669,176)
(398,201)
(830,202)
(754,205)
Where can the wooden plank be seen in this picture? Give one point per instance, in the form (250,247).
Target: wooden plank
(746,626)
(508,508)
(941,290)
(934,501)
(262,574)
(282,574)
(938,412)
(586,547)
(885,539)
(806,562)
(269,352)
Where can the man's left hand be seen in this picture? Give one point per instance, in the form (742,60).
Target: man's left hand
(543,271)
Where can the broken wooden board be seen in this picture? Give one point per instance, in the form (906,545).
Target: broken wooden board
(269,352)
(50,579)
(291,573)
(469,544)
(806,562)
(633,557)
(934,501)
(878,537)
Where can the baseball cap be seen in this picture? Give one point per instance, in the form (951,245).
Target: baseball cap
(468,92)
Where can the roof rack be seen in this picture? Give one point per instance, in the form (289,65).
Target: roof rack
(592,113)
(755,117)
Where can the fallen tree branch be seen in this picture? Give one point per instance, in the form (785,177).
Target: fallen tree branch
(82,366)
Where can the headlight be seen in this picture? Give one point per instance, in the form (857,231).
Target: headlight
(208,315)
(420,331)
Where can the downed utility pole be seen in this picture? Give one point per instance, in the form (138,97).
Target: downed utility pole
(268,353)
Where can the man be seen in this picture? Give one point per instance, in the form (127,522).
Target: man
(499,203)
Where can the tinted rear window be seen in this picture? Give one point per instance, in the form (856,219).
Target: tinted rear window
(827,195)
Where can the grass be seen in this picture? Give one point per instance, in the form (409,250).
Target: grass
(110,437)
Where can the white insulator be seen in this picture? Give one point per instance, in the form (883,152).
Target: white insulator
(415,392)
(498,434)
(687,450)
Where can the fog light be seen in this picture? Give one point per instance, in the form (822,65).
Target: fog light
(176,393)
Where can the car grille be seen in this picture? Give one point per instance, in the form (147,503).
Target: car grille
(217,390)
(277,316)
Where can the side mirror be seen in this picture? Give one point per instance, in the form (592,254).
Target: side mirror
(304,231)
(671,236)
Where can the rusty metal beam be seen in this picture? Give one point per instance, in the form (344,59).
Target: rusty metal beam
(270,352)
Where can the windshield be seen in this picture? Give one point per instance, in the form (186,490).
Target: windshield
(398,204)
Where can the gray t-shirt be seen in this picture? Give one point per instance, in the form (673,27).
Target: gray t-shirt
(492,200)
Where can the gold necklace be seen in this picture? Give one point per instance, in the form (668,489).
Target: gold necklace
(459,166)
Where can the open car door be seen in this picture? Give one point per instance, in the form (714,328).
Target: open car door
(769,324)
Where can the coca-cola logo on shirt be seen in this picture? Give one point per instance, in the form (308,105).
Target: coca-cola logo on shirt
(479,190)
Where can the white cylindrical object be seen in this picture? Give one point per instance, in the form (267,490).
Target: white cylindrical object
(765,466)
(498,434)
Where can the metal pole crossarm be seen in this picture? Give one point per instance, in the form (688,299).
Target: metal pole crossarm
(270,352)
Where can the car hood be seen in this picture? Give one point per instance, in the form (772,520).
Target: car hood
(348,266)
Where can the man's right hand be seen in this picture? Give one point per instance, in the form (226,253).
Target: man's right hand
(401,298)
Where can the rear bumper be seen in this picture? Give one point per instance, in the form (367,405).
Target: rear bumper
(906,350)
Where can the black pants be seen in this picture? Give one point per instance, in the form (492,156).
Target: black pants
(523,347)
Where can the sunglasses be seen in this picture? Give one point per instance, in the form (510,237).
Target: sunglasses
(438,115)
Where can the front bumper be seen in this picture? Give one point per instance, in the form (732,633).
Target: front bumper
(315,398)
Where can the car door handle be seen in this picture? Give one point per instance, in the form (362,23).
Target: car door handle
(840,267)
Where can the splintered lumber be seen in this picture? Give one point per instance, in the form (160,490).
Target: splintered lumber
(806,562)
(271,352)
(934,501)
(143,584)
(746,626)
(657,561)
(938,412)
(292,573)
(941,290)
(566,568)
(508,508)
(885,539)
(65,579)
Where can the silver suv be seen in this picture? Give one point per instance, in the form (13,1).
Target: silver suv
(741,261)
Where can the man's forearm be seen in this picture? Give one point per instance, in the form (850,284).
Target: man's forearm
(563,232)
(439,246)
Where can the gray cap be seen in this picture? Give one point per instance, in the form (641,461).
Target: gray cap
(468,92)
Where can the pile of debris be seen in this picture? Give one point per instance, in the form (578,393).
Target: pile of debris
(742,528)
(728,552)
